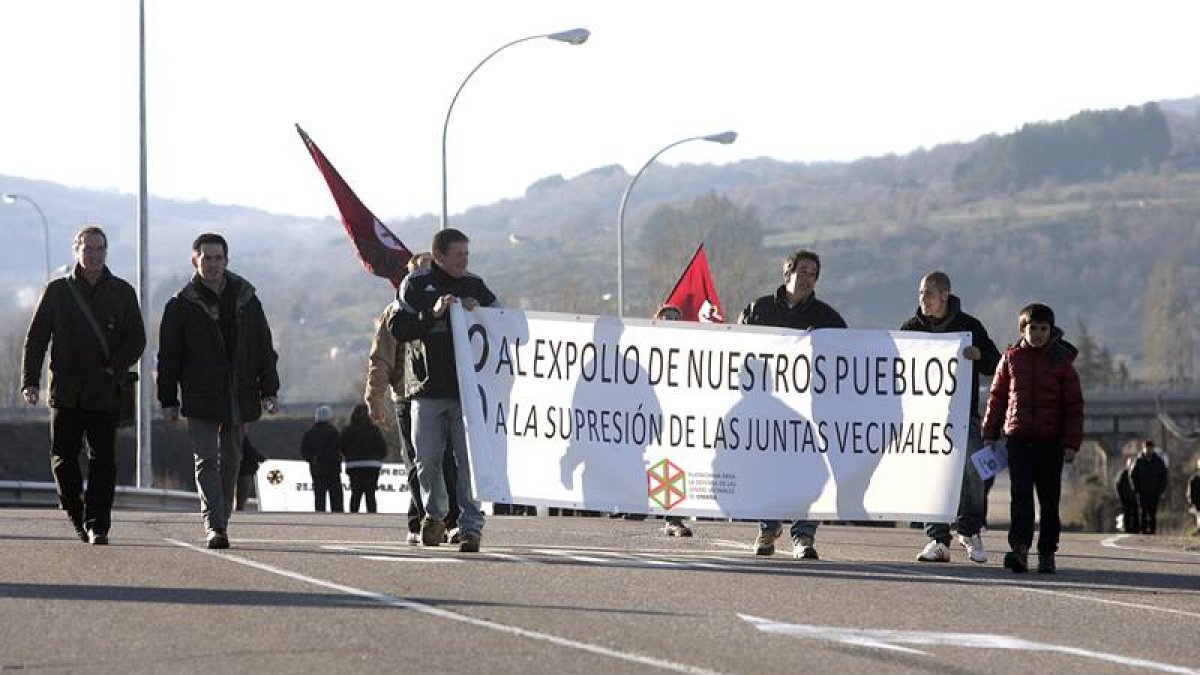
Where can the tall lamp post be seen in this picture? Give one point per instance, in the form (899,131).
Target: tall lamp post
(12,198)
(724,138)
(575,36)
(145,392)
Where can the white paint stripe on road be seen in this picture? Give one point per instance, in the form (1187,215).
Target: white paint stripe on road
(892,639)
(1115,542)
(393,601)
(409,558)
(1019,586)
(512,558)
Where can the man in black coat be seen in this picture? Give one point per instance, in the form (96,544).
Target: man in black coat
(1130,519)
(319,448)
(431,380)
(1149,476)
(215,345)
(940,311)
(92,324)
(793,305)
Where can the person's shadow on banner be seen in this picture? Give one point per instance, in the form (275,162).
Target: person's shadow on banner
(852,471)
(491,458)
(783,479)
(613,477)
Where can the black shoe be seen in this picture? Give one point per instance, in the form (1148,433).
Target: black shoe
(1017,561)
(98,538)
(80,530)
(1046,564)
(217,539)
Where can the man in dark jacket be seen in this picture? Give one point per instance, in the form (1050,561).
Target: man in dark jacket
(431,380)
(940,311)
(215,345)
(1149,476)
(91,322)
(319,448)
(794,305)
(1131,521)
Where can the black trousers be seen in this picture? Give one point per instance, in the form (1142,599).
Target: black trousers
(1035,466)
(1133,520)
(416,507)
(1149,509)
(68,426)
(363,482)
(327,484)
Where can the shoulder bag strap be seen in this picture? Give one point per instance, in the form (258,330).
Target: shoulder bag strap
(91,318)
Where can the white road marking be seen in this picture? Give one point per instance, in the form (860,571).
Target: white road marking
(1115,542)
(893,639)
(402,603)
(512,558)
(1019,586)
(410,558)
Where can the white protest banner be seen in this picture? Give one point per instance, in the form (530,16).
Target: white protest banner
(286,485)
(728,421)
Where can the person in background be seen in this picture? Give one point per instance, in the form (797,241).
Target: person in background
(251,459)
(319,447)
(1036,401)
(1149,476)
(1193,497)
(363,448)
(1130,520)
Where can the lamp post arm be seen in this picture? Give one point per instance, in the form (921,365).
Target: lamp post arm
(621,222)
(446,123)
(45,234)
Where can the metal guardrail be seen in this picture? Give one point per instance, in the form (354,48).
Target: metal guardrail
(32,493)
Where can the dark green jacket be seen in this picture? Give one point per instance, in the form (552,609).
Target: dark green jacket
(192,355)
(80,376)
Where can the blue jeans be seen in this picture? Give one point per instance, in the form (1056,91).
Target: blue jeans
(972,502)
(437,422)
(800,528)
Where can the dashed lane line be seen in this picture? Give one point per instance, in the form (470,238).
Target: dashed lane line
(422,608)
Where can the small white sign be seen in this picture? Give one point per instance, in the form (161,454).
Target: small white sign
(286,485)
(990,460)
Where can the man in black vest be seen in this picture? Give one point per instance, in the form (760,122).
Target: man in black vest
(1149,476)
(91,321)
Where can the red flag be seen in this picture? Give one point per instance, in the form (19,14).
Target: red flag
(380,251)
(694,293)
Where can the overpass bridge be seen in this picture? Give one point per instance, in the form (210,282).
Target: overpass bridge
(1114,419)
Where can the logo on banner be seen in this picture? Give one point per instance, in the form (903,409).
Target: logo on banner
(275,477)
(667,484)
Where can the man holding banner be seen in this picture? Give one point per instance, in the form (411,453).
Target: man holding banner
(431,380)
(793,305)
(939,311)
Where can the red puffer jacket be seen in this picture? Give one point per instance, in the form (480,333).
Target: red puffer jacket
(1036,396)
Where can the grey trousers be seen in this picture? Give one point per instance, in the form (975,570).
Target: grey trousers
(217,449)
(436,422)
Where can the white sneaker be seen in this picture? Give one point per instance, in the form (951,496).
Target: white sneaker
(974,546)
(935,551)
(413,538)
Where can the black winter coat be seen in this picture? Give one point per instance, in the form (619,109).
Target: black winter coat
(773,310)
(429,370)
(362,440)
(1149,475)
(958,321)
(80,376)
(192,355)
(319,447)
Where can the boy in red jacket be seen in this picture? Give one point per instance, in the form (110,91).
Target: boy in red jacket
(1036,401)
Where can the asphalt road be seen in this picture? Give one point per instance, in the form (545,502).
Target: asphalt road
(304,593)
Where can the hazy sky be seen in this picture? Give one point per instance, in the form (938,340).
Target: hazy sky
(371,81)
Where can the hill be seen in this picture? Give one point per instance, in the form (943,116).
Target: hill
(1088,244)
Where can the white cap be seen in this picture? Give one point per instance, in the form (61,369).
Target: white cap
(323,413)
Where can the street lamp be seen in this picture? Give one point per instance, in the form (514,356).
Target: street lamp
(12,198)
(724,138)
(575,36)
